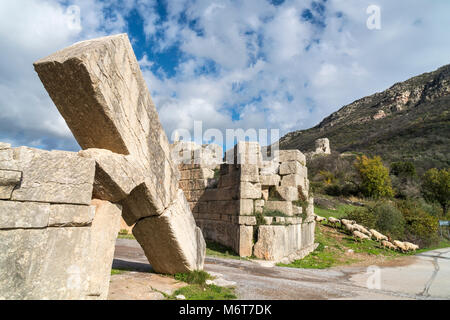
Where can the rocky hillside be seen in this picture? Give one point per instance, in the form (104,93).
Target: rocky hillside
(409,121)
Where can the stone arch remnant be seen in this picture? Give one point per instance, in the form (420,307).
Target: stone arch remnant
(99,89)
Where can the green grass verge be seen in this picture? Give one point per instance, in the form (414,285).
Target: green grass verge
(215,249)
(340,212)
(209,292)
(117,271)
(199,290)
(126,236)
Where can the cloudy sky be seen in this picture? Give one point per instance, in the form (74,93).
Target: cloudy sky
(229,63)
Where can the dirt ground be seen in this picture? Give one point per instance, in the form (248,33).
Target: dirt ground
(424,276)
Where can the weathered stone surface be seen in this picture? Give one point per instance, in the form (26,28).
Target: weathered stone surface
(99,89)
(104,231)
(66,215)
(292,155)
(270,180)
(245,241)
(265,194)
(276,242)
(282,206)
(269,168)
(171,241)
(246,206)
(293,167)
(288,193)
(55,177)
(116,175)
(249,173)
(52,263)
(8,181)
(4,146)
(293,180)
(245,152)
(15,215)
(250,191)
(246,220)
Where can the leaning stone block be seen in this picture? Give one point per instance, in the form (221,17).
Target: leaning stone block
(104,230)
(8,181)
(116,175)
(172,242)
(282,206)
(55,177)
(250,191)
(142,203)
(24,215)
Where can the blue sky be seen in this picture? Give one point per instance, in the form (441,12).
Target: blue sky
(231,64)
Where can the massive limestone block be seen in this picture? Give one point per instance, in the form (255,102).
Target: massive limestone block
(55,177)
(58,263)
(15,215)
(99,89)
(104,231)
(277,242)
(179,245)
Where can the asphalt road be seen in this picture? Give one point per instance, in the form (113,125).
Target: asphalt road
(424,276)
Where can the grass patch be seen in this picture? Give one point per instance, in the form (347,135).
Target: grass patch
(117,271)
(198,277)
(341,211)
(123,234)
(218,250)
(209,292)
(199,290)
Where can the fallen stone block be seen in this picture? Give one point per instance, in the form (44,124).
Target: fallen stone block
(171,241)
(277,242)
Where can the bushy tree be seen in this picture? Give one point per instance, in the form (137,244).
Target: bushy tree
(436,187)
(375,180)
(403,169)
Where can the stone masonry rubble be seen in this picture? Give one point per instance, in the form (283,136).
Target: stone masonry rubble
(255,206)
(99,89)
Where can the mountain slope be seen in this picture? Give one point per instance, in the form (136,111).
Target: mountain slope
(409,121)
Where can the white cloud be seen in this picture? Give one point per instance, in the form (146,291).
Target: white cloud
(272,67)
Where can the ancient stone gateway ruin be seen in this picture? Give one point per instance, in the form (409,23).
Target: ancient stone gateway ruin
(257,207)
(60,211)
